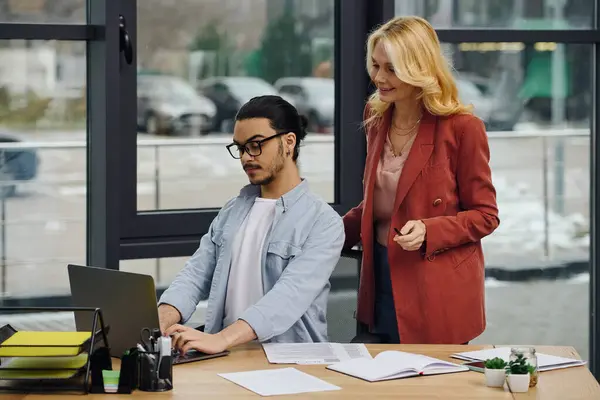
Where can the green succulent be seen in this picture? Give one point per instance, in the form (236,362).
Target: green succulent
(495,363)
(519,366)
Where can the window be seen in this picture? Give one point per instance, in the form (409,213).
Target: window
(159,233)
(530,79)
(162,270)
(43,143)
(211,70)
(176,172)
(536,102)
(43,11)
(505,14)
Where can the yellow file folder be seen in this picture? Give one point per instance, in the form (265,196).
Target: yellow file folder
(44,344)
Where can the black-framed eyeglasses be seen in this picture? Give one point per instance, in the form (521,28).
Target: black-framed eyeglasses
(252,147)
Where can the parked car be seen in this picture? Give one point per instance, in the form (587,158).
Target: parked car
(15,165)
(497,113)
(469,93)
(313,97)
(169,105)
(229,93)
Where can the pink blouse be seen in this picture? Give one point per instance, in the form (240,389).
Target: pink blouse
(388,174)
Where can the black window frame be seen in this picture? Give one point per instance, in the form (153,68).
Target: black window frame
(173,233)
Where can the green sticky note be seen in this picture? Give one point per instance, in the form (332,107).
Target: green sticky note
(110,377)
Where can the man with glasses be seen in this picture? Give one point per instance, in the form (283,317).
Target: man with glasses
(265,263)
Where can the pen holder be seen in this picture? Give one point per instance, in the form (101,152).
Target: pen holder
(155,374)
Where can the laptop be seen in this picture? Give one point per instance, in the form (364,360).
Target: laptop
(128,304)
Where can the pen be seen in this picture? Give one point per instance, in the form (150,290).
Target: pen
(398,232)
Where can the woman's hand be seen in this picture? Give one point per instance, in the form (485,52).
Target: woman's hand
(412,235)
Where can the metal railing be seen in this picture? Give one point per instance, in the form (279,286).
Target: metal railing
(544,136)
(547,139)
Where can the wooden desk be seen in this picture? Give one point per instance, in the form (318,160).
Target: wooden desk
(200,381)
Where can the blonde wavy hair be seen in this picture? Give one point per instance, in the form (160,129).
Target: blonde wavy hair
(414,50)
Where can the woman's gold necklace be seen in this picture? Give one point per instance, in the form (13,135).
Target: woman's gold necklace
(408,133)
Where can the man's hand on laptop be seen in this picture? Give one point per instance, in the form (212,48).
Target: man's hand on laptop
(186,339)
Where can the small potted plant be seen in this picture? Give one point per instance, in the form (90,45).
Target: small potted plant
(495,373)
(518,374)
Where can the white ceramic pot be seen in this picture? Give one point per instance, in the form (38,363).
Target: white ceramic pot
(495,377)
(518,383)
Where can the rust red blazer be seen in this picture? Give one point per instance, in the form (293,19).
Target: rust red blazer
(446,183)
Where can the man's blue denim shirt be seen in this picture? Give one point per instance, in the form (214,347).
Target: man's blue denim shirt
(300,253)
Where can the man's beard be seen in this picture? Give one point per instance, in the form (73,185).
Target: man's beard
(275,169)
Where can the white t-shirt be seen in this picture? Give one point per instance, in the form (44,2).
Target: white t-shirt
(244,287)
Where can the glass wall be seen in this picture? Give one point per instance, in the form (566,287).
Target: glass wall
(163,270)
(197,62)
(43,165)
(194,72)
(502,14)
(536,102)
(43,11)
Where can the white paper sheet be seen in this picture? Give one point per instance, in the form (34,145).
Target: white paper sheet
(314,353)
(273,382)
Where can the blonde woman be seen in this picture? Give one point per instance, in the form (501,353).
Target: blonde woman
(428,196)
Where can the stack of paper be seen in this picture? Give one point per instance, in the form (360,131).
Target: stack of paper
(314,353)
(546,362)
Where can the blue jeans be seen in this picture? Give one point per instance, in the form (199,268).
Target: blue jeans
(385,311)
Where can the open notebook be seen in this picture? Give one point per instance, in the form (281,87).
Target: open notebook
(393,365)
(546,362)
